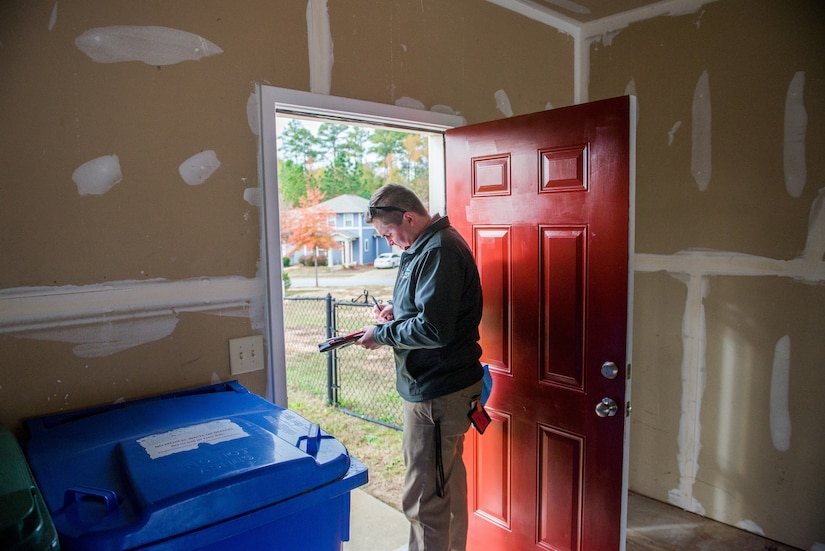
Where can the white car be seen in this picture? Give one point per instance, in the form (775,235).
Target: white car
(388,260)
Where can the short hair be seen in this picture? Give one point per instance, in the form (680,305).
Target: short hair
(389,203)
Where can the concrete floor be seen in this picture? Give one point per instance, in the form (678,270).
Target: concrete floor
(651,526)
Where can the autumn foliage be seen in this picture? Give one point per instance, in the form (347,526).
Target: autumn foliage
(308,225)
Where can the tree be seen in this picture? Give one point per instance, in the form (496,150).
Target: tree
(298,144)
(308,225)
(387,145)
(293,181)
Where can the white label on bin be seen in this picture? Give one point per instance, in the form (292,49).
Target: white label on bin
(188,438)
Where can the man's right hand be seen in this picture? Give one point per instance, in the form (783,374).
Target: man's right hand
(383,313)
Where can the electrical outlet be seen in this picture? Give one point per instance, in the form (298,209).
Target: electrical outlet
(246,354)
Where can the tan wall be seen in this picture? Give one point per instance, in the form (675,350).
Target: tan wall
(708,390)
(190,254)
(137,290)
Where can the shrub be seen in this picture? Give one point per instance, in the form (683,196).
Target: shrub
(309,260)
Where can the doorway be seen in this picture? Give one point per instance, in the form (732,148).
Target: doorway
(558,163)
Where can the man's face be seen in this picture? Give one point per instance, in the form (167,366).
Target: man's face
(401,235)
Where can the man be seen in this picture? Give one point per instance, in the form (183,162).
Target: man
(432,325)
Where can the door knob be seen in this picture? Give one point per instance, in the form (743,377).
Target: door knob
(609,370)
(606,408)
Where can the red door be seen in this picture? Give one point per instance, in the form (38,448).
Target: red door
(544,201)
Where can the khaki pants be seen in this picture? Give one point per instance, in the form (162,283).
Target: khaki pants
(437,523)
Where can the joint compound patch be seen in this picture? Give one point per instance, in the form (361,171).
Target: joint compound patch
(189,438)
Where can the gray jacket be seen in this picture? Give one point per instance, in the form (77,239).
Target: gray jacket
(437,307)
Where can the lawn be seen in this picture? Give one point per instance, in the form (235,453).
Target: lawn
(366,378)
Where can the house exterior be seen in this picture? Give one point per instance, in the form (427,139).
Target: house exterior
(357,241)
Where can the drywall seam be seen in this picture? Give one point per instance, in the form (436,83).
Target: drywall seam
(105,318)
(555,20)
(796,125)
(613,23)
(815,242)
(320,46)
(53,18)
(700,157)
(780,415)
(695,267)
(731,264)
(693,369)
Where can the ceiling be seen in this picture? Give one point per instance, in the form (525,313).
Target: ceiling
(581,11)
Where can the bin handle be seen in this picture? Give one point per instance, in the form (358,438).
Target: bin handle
(74,494)
(313,439)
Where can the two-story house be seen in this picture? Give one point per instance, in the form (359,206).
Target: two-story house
(358,242)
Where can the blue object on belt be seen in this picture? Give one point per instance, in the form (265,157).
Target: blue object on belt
(487,384)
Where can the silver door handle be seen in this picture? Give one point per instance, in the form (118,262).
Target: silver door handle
(606,408)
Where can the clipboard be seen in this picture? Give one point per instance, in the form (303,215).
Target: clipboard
(334,343)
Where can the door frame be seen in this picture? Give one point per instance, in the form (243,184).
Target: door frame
(272,101)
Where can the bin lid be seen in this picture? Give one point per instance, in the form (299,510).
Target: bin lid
(144,471)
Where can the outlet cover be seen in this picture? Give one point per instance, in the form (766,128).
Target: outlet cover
(246,354)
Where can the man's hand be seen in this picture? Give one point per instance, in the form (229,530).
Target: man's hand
(367,341)
(383,313)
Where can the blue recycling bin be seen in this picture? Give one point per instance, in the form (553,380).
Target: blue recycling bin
(212,468)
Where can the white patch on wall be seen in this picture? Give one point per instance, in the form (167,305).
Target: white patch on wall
(199,167)
(607,38)
(53,18)
(104,319)
(97,176)
(694,341)
(548,106)
(818,547)
(780,416)
(321,55)
(796,125)
(503,103)
(671,134)
(815,242)
(412,103)
(446,110)
(700,161)
(149,44)
(699,19)
(252,195)
(630,90)
(252,112)
(750,526)
(110,338)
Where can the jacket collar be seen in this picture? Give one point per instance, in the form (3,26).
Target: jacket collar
(436,226)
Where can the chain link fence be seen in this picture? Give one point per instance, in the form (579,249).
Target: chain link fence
(354,380)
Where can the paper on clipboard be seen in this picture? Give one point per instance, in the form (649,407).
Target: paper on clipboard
(334,343)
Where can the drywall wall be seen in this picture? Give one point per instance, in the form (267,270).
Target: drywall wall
(120,278)
(729,311)
(130,224)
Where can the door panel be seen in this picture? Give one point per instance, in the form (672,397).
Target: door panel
(544,200)
(493,255)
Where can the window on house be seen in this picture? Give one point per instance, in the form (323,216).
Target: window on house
(349,219)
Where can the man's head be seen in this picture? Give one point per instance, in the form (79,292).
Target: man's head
(397,215)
